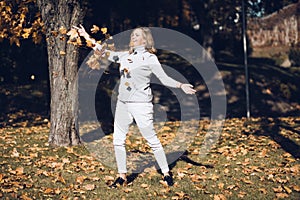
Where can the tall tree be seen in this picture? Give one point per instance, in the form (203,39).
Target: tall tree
(63,65)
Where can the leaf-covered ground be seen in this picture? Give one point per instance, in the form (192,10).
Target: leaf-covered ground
(253,159)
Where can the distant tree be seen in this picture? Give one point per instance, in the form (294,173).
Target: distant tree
(260,8)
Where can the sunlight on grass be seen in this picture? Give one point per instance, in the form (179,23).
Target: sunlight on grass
(251,159)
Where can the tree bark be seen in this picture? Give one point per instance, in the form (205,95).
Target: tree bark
(63,65)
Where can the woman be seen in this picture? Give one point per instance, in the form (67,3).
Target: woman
(135,97)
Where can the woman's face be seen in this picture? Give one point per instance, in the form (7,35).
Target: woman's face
(137,38)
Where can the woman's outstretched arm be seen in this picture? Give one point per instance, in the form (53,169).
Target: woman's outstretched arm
(165,79)
(114,56)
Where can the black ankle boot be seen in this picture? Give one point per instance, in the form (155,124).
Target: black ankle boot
(118,182)
(169,180)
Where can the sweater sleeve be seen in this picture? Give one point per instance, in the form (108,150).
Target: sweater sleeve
(114,56)
(158,71)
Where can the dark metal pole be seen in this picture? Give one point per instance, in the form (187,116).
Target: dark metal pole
(246,61)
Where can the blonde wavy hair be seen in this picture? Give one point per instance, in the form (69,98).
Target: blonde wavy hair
(147,35)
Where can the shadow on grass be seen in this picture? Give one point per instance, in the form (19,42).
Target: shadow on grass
(183,156)
(272,128)
(274,90)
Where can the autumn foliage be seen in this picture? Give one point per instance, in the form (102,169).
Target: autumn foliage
(19,20)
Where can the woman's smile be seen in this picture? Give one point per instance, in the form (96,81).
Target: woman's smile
(137,38)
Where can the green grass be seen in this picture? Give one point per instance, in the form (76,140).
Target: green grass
(248,162)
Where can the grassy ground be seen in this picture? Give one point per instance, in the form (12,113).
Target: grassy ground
(253,159)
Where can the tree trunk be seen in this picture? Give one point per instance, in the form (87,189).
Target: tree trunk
(203,11)
(63,65)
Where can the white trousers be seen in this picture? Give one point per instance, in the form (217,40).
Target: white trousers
(142,113)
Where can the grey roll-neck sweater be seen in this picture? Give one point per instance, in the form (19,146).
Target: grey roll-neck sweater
(136,70)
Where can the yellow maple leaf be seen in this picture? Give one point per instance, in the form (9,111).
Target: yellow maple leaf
(22,18)
(26,33)
(62,53)
(3,34)
(90,43)
(14,40)
(37,38)
(72,33)
(104,30)
(63,30)
(95,29)
(74,37)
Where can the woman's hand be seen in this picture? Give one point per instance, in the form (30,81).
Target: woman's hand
(82,32)
(187,88)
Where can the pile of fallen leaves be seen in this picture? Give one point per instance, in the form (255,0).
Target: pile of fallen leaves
(257,158)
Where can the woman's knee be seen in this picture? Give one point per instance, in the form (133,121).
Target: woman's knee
(153,142)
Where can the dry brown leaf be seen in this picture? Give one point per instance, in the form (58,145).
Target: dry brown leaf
(221,185)
(282,195)
(144,185)
(181,194)
(33,155)
(80,179)
(15,153)
(263,190)
(220,197)
(278,189)
(109,178)
(295,169)
(199,187)
(287,155)
(59,178)
(242,194)
(165,190)
(127,190)
(66,160)
(287,189)
(296,188)
(19,170)
(54,33)
(48,191)
(231,187)
(163,183)
(90,43)
(214,177)
(57,191)
(247,181)
(73,33)
(25,197)
(263,153)
(195,178)
(89,187)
